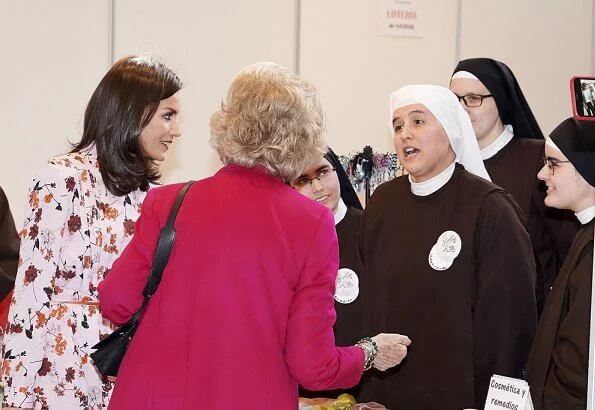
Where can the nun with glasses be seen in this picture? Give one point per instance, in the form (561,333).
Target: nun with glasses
(447,261)
(511,146)
(327,183)
(559,359)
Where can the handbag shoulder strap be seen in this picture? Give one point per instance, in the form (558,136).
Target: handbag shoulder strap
(167,235)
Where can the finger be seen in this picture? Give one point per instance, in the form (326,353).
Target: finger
(381,367)
(402,339)
(401,353)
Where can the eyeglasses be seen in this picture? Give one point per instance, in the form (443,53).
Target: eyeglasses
(552,163)
(304,182)
(473,100)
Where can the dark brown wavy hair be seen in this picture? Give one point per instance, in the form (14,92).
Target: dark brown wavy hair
(121,106)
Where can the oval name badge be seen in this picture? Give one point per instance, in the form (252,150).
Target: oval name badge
(449,245)
(346,286)
(437,262)
(445,250)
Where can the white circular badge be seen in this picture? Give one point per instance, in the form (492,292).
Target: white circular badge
(448,245)
(346,286)
(436,261)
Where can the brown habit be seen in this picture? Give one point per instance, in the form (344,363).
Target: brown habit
(348,327)
(466,323)
(558,363)
(9,247)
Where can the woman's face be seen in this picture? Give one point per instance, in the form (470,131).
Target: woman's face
(566,188)
(162,129)
(421,143)
(320,183)
(485,118)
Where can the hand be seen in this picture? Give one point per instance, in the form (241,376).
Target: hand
(392,349)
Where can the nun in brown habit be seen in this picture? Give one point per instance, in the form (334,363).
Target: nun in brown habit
(9,247)
(446,260)
(327,183)
(559,359)
(511,145)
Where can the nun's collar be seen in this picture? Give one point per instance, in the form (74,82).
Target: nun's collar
(433,184)
(495,146)
(585,216)
(340,212)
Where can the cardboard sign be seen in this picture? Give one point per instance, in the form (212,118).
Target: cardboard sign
(506,393)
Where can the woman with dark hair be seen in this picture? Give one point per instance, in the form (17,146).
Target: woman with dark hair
(559,359)
(511,145)
(83,208)
(327,183)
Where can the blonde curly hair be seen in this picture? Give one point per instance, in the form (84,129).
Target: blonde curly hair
(271,117)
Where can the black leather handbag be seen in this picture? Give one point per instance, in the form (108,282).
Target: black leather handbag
(111,350)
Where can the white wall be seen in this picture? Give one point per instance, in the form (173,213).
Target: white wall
(207,44)
(54,54)
(356,69)
(544,42)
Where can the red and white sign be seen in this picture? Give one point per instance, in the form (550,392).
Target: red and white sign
(401,18)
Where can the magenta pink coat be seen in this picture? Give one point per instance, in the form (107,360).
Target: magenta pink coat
(244,311)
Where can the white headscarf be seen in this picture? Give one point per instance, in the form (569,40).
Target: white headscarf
(443,104)
(465,74)
(552,144)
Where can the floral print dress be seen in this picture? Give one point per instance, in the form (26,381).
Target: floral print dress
(73,231)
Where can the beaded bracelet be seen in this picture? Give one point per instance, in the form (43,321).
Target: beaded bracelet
(370,349)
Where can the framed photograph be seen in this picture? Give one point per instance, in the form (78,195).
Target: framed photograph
(582,90)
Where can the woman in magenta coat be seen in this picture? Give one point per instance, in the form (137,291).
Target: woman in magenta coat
(244,311)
